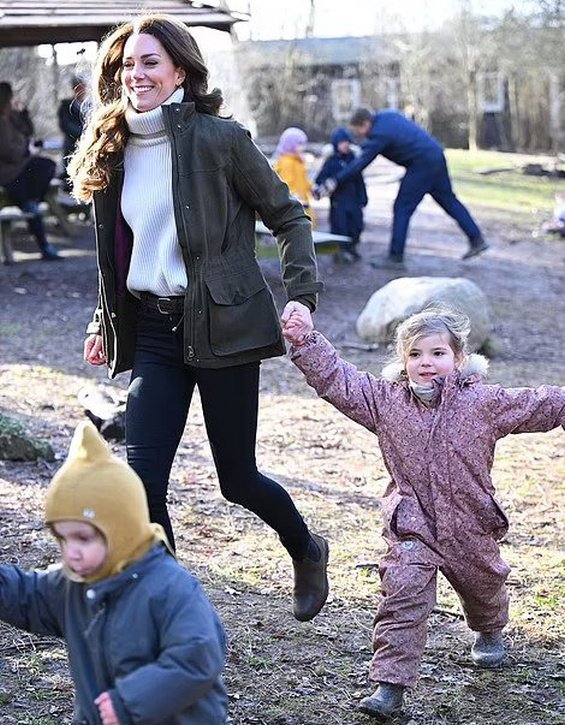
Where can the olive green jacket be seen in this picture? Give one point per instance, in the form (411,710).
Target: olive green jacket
(220,181)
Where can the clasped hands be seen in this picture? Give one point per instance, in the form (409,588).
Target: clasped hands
(326,189)
(296,322)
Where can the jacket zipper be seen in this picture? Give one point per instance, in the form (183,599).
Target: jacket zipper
(168,115)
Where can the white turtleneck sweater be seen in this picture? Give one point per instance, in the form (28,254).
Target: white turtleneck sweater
(156,264)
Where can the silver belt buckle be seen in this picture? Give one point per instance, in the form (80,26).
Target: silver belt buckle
(162,299)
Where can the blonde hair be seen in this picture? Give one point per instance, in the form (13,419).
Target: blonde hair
(435,319)
(100,148)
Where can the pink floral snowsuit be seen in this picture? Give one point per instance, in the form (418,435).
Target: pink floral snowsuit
(439,507)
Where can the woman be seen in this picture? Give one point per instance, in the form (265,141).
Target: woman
(183,301)
(25,178)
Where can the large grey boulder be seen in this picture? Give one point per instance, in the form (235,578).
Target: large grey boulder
(17,445)
(402,297)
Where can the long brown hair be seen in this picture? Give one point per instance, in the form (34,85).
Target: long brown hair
(6,95)
(100,148)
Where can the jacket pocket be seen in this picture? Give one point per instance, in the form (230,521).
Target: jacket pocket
(242,312)
(494,519)
(405,519)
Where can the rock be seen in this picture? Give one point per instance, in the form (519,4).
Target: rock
(402,297)
(106,409)
(17,445)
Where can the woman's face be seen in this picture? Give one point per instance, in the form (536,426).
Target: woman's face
(149,75)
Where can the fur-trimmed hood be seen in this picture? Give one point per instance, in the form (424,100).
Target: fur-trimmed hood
(475,366)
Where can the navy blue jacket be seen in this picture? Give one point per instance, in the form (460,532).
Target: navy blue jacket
(398,139)
(350,192)
(149,636)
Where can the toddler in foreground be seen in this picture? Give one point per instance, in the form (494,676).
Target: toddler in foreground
(437,424)
(144,643)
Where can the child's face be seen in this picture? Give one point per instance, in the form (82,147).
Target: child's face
(300,148)
(343,146)
(430,356)
(83,547)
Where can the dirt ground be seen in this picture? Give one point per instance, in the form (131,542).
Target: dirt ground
(279,671)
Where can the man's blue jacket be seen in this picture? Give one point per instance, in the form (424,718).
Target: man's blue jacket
(398,139)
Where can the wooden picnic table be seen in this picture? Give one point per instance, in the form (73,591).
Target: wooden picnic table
(55,204)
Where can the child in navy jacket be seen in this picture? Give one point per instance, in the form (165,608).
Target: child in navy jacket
(348,198)
(145,645)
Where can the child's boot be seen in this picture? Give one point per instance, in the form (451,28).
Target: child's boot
(488,649)
(385,701)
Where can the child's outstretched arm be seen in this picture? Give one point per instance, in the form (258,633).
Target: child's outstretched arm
(356,394)
(527,410)
(32,600)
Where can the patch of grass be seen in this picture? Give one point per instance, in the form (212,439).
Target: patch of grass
(9,330)
(508,189)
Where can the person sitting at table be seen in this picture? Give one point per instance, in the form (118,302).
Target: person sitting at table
(25,177)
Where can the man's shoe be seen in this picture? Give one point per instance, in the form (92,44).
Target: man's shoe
(353,254)
(342,257)
(311,584)
(488,649)
(49,253)
(477,246)
(385,702)
(390,261)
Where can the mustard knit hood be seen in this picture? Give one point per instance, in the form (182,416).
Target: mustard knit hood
(93,486)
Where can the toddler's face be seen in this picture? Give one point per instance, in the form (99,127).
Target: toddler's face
(343,146)
(83,547)
(431,356)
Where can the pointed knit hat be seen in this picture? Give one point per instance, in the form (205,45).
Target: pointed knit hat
(93,486)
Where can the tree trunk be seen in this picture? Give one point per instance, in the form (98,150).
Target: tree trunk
(472,109)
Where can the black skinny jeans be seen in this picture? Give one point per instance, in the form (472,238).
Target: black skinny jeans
(158,402)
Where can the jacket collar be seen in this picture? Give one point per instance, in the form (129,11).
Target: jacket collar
(184,111)
(99,591)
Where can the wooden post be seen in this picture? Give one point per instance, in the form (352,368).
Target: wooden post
(56,74)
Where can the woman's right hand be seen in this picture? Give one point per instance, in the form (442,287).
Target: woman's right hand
(94,350)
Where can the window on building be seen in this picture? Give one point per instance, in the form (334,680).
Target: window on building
(491,92)
(346,97)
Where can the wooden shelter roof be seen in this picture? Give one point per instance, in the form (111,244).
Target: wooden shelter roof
(32,22)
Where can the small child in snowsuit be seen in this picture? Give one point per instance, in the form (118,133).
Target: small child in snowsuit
(437,425)
(348,198)
(144,643)
(288,162)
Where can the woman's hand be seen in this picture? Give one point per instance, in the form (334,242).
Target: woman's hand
(296,322)
(94,350)
(106,709)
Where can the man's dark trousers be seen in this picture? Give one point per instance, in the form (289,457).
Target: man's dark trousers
(421,178)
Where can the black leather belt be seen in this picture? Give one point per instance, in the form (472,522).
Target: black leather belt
(164,305)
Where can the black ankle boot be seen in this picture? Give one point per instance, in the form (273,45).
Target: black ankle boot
(385,701)
(49,253)
(477,245)
(488,649)
(311,582)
